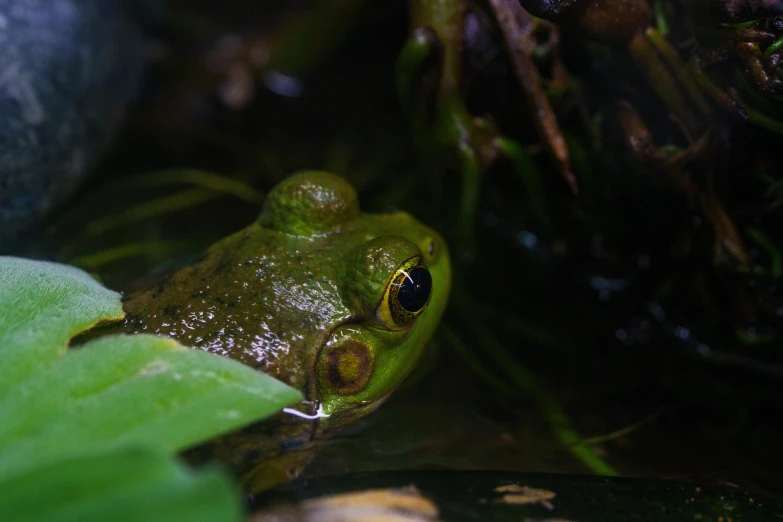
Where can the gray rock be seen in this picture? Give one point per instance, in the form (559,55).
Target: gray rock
(68,70)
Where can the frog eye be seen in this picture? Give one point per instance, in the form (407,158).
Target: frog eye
(407,294)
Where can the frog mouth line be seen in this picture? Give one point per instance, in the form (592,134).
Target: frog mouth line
(312,388)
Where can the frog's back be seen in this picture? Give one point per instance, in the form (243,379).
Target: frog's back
(258,296)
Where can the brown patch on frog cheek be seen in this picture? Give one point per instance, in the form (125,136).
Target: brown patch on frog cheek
(349,366)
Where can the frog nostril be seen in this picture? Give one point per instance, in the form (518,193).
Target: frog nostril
(348,367)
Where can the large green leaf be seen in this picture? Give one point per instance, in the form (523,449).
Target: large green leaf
(131,484)
(68,418)
(131,388)
(42,305)
(111,391)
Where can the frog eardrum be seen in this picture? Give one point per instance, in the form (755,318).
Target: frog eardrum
(349,367)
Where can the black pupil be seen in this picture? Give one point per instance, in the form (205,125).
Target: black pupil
(415,289)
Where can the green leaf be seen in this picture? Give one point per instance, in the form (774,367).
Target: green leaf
(69,419)
(131,388)
(129,484)
(115,390)
(43,305)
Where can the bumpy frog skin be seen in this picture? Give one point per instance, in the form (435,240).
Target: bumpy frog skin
(328,299)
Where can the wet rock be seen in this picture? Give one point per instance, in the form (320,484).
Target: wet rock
(68,71)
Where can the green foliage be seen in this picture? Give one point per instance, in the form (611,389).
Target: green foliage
(130,389)
(85,433)
(42,305)
(124,485)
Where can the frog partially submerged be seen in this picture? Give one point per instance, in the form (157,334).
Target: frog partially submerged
(330,300)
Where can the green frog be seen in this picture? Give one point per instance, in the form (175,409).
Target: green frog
(330,300)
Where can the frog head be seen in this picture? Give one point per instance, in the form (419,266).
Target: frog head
(389,279)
